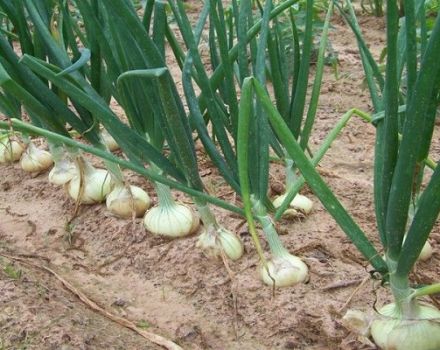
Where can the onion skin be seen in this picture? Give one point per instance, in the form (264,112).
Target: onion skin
(426,252)
(286,270)
(121,202)
(108,140)
(299,202)
(174,221)
(213,241)
(35,160)
(10,150)
(422,332)
(62,172)
(97,184)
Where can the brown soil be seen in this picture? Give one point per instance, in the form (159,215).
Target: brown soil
(169,287)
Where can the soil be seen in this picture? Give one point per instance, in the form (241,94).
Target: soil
(169,287)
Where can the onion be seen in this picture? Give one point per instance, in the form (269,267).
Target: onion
(122,201)
(35,160)
(108,140)
(175,220)
(426,252)
(299,202)
(393,332)
(215,240)
(169,218)
(10,150)
(285,269)
(63,171)
(96,184)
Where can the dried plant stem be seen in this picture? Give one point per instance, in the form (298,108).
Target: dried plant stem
(154,338)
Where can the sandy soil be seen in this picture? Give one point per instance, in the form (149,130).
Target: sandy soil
(169,287)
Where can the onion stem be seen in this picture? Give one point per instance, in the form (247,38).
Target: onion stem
(290,173)
(401,291)
(164,195)
(276,246)
(56,151)
(115,172)
(206,214)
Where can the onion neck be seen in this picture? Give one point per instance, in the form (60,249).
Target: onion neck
(115,172)
(290,173)
(206,214)
(85,167)
(57,152)
(32,149)
(276,246)
(403,295)
(25,139)
(164,195)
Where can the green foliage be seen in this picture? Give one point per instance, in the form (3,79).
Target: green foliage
(143,324)
(12,272)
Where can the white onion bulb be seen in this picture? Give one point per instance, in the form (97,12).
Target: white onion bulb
(97,183)
(63,171)
(176,220)
(299,202)
(421,332)
(285,269)
(426,252)
(121,201)
(35,160)
(10,150)
(213,241)
(108,140)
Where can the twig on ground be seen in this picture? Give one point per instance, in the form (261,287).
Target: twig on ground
(365,280)
(233,292)
(154,338)
(341,284)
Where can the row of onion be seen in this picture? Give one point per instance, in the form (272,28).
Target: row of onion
(239,125)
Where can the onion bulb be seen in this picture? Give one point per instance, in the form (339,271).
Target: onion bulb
(108,140)
(122,201)
(172,219)
(300,203)
(96,183)
(213,241)
(285,269)
(63,171)
(426,252)
(393,332)
(10,150)
(35,160)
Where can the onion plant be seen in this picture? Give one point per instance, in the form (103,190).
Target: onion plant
(140,87)
(236,63)
(376,7)
(406,210)
(48,107)
(136,74)
(289,84)
(124,58)
(133,62)
(402,143)
(41,103)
